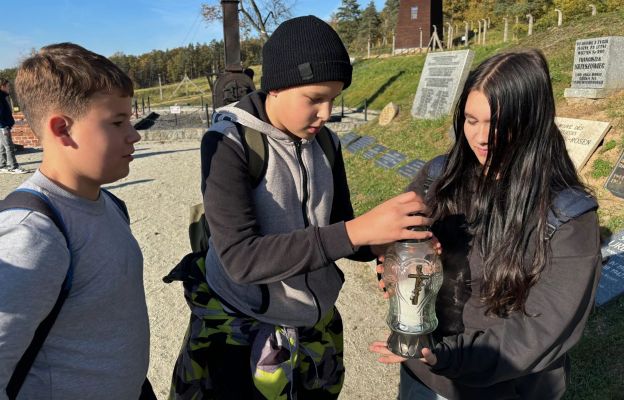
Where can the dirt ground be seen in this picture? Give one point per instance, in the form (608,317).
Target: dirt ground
(163,183)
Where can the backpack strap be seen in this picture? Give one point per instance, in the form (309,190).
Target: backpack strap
(436,167)
(256,148)
(118,202)
(27,199)
(324,139)
(568,204)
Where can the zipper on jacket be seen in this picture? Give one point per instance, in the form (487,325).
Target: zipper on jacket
(306,222)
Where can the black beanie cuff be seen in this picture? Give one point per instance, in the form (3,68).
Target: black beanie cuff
(307,73)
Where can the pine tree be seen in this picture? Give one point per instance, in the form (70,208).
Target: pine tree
(348,21)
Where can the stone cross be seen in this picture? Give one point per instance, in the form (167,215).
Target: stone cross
(506,30)
(559,17)
(593,8)
(466,37)
(530,17)
(420,280)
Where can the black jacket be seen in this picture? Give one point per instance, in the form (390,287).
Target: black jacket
(6,114)
(518,357)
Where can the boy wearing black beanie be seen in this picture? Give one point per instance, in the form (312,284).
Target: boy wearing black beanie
(265,325)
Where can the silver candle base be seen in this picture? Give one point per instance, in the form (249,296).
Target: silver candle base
(409,346)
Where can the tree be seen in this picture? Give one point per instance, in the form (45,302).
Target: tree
(347,21)
(388,17)
(369,25)
(261,17)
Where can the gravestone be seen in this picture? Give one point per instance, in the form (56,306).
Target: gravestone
(360,144)
(374,151)
(411,169)
(582,137)
(441,81)
(615,182)
(349,138)
(598,67)
(388,113)
(611,283)
(390,159)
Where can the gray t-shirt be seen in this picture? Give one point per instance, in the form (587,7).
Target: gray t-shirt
(98,347)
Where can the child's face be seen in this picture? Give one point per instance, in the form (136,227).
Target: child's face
(103,140)
(302,110)
(477,124)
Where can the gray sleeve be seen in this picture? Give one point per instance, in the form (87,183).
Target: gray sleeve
(34,259)
(561,300)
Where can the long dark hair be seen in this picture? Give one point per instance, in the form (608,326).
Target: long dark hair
(527,164)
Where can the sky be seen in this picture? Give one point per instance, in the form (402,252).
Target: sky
(107,26)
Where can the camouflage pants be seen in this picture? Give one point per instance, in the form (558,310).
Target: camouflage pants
(226,355)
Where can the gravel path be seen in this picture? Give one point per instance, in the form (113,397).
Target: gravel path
(163,183)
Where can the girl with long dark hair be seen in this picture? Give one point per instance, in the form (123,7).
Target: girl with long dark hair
(520,239)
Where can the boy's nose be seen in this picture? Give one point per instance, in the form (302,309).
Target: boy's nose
(324,111)
(134,136)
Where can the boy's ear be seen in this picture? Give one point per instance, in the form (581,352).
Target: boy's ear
(59,126)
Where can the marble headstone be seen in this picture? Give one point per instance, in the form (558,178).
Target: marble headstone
(582,137)
(615,182)
(441,81)
(611,282)
(388,113)
(598,67)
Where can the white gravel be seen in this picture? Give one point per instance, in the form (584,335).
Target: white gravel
(163,182)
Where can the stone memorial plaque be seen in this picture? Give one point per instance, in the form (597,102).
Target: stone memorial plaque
(441,81)
(582,137)
(373,151)
(360,144)
(611,283)
(390,159)
(615,182)
(598,67)
(411,169)
(349,138)
(388,113)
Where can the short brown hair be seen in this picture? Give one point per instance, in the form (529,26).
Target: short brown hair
(63,77)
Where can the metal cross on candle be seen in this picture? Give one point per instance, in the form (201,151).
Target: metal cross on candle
(419,281)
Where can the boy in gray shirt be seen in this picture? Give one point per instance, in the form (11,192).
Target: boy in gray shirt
(79,105)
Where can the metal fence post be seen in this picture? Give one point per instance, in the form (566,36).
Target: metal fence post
(365,110)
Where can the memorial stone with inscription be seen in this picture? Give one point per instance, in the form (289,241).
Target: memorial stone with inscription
(611,283)
(391,159)
(360,144)
(411,169)
(598,67)
(374,151)
(349,138)
(441,81)
(615,182)
(582,137)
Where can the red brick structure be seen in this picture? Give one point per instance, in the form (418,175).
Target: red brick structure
(413,16)
(22,134)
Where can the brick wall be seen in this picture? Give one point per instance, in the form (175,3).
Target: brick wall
(408,29)
(22,134)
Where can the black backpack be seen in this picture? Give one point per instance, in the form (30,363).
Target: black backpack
(28,199)
(255,146)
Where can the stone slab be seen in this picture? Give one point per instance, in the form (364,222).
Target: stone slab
(582,137)
(390,159)
(611,283)
(388,113)
(441,81)
(360,144)
(411,169)
(615,182)
(374,151)
(598,65)
(348,138)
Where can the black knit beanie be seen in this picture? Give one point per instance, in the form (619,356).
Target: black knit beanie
(301,51)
